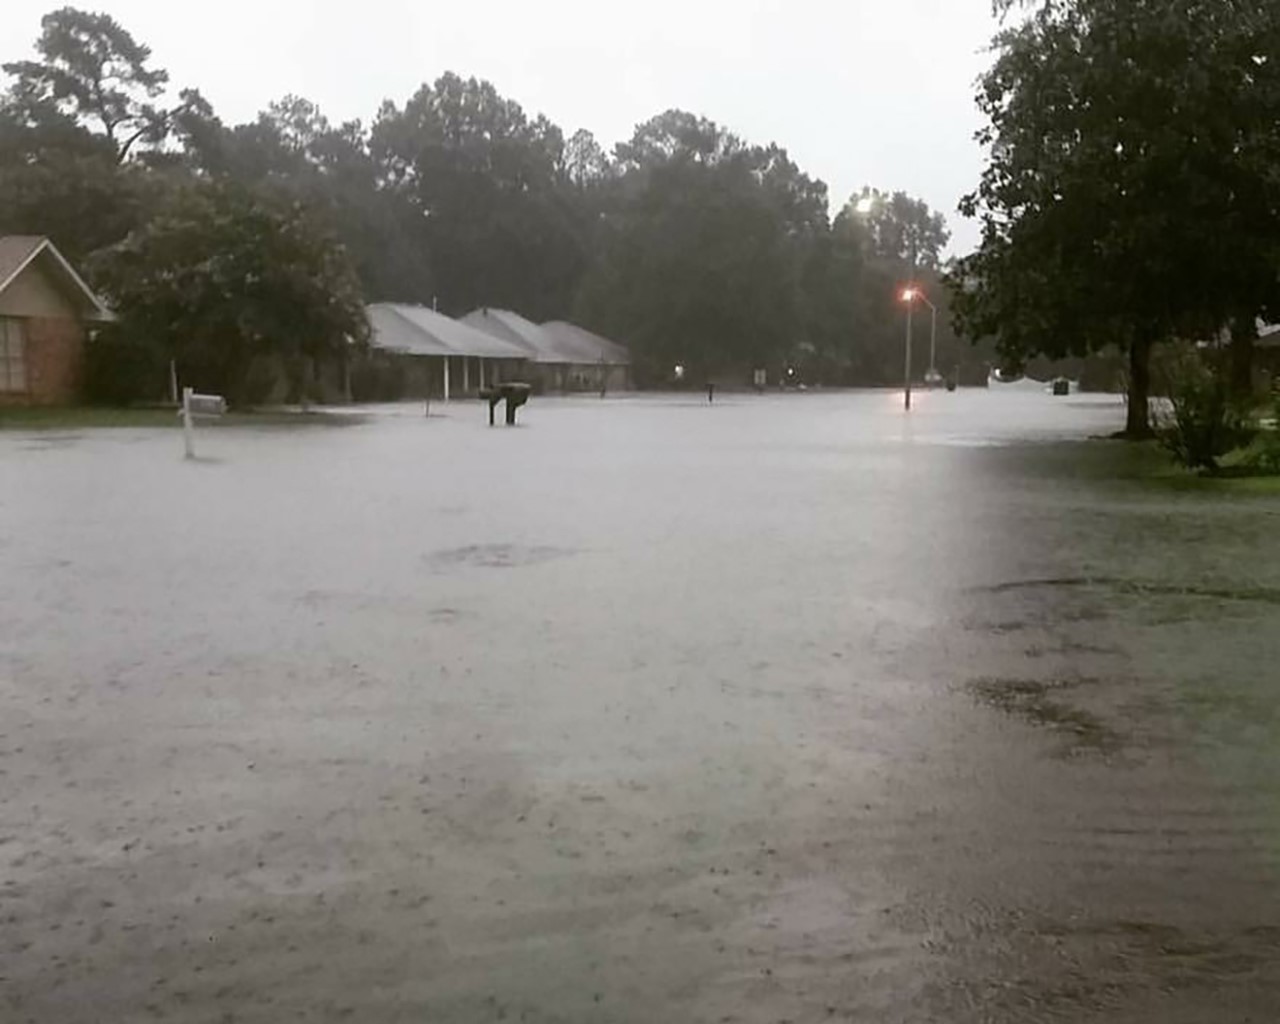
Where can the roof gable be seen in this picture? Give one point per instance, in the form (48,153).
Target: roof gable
(18,252)
(540,346)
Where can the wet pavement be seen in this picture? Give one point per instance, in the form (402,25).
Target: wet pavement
(787,709)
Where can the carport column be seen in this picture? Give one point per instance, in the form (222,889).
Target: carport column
(446,378)
(466,376)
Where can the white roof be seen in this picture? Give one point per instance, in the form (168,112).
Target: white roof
(418,331)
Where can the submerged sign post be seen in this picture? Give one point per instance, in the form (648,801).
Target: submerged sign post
(194,405)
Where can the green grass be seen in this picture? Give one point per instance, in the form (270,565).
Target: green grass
(1116,463)
(94,418)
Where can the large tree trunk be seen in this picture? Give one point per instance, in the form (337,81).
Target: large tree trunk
(1138,424)
(1244,331)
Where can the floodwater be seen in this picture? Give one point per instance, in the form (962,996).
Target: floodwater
(786,709)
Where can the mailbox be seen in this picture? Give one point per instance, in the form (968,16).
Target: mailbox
(515,394)
(207,405)
(194,405)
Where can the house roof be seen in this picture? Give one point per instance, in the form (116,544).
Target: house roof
(418,331)
(556,342)
(537,345)
(590,347)
(18,252)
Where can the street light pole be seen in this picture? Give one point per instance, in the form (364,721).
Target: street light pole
(909,295)
(933,335)
(933,342)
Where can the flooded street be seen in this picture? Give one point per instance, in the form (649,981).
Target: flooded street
(786,709)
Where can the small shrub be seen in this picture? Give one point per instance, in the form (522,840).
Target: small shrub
(376,378)
(1203,421)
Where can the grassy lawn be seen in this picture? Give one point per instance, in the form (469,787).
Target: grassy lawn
(94,417)
(1150,464)
(1106,462)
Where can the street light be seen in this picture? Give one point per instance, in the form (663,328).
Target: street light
(909,296)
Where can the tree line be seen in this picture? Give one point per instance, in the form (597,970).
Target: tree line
(218,241)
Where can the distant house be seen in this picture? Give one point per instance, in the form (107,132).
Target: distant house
(562,356)
(46,313)
(597,360)
(437,355)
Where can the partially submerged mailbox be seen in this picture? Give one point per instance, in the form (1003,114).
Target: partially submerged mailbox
(514,394)
(194,405)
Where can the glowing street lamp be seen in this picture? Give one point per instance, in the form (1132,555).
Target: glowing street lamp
(909,296)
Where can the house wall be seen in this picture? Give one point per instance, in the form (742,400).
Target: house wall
(55,339)
(550,378)
(55,356)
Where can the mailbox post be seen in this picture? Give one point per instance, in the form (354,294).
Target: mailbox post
(194,405)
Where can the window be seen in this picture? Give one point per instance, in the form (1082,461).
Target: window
(13,355)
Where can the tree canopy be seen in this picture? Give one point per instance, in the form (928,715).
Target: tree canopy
(221,275)
(1131,194)
(92,70)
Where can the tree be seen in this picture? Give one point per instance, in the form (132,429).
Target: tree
(484,179)
(293,149)
(585,163)
(1130,195)
(677,135)
(222,276)
(699,257)
(58,179)
(93,71)
(902,229)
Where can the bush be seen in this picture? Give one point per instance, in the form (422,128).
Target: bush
(1263,456)
(1203,421)
(120,370)
(377,378)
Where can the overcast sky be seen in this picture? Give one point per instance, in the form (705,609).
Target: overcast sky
(875,92)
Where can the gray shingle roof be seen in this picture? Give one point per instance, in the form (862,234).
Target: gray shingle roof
(418,331)
(591,347)
(537,345)
(556,342)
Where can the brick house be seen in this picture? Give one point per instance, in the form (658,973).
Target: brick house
(46,313)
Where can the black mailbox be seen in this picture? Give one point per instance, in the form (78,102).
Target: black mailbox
(515,394)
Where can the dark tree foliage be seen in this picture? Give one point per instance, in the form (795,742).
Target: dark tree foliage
(93,71)
(221,275)
(1131,194)
(485,181)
